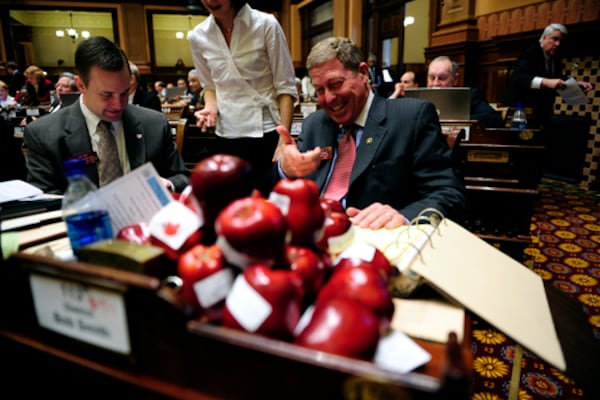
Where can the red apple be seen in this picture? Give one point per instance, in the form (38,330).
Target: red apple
(265,301)
(309,266)
(206,280)
(361,283)
(135,233)
(298,200)
(216,181)
(252,230)
(330,205)
(364,254)
(342,326)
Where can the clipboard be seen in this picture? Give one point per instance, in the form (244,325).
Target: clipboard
(497,288)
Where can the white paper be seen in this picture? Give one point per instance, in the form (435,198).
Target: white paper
(572,94)
(134,197)
(428,319)
(399,353)
(17,190)
(493,285)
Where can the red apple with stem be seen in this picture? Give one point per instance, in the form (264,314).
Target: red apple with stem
(342,326)
(252,230)
(298,200)
(216,181)
(265,301)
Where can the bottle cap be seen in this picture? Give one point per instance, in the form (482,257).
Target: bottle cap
(519,105)
(75,167)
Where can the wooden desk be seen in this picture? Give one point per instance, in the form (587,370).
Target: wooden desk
(501,168)
(171,357)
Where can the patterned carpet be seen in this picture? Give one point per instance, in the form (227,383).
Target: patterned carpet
(566,252)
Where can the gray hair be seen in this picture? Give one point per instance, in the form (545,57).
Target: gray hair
(446,58)
(343,49)
(71,77)
(135,71)
(193,72)
(554,27)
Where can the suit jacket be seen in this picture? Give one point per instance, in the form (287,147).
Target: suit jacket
(62,135)
(12,162)
(532,63)
(403,159)
(147,99)
(483,112)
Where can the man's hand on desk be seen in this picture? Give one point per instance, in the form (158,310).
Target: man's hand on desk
(295,164)
(376,216)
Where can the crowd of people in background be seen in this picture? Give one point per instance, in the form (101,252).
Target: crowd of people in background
(248,106)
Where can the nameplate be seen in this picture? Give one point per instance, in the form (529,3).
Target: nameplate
(487,156)
(89,314)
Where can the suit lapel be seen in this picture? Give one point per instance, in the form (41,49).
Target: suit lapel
(372,136)
(134,139)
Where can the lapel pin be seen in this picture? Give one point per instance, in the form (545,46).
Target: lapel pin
(369,140)
(138,135)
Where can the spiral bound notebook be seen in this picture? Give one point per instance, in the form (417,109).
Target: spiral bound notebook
(480,277)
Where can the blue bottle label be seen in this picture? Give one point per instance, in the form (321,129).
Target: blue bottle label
(88,227)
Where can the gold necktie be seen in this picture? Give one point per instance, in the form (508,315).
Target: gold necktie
(109,167)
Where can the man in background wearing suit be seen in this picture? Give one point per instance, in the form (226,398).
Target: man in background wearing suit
(538,74)
(403,163)
(64,84)
(443,72)
(139,95)
(141,135)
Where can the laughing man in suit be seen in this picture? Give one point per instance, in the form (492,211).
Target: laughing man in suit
(403,163)
(141,134)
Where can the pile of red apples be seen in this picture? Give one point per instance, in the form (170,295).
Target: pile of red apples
(286,266)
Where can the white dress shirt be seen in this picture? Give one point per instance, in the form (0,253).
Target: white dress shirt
(247,76)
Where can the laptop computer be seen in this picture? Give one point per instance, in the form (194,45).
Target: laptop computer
(174,92)
(68,98)
(452,103)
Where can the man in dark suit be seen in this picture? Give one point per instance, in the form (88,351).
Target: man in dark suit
(140,134)
(139,95)
(403,163)
(538,74)
(443,72)
(16,77)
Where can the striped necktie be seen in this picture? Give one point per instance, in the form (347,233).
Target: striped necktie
(109,167)
(340,176)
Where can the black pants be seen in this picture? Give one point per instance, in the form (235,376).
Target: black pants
(258,152)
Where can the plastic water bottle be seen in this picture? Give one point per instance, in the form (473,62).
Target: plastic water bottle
(87,220)
(519,119)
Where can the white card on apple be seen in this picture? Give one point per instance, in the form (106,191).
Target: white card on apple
(247,306)
(174,224)
(214,288)
(360,250)
(399,353)
(282,201)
